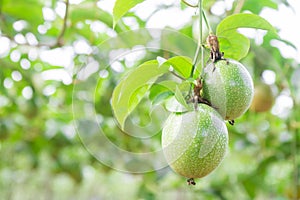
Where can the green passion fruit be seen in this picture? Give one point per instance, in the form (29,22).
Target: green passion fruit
(263,98)
(228,86)
(195,142)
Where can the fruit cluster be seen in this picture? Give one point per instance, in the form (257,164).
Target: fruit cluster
(195,142)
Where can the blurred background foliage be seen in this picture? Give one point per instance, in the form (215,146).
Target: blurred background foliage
(43,46)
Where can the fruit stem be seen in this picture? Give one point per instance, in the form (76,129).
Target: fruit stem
(191,181)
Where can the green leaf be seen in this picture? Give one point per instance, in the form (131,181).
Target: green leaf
(255,6)
(270,36)
(162,91)
(182,64)
(179,97)
(161,60)
(19,10)
(234,44)
(137,96)
(92,12)
(133,87)
(170,85)
(162,97)
(89,11)
(121,7)
(178,103)
(243,20)
(172,105)
(156,90)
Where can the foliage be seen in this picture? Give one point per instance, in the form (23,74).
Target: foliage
(59,73)
(234,44)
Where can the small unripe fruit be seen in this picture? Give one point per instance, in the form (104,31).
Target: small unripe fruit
(263,98)
(194,143)
(228,86)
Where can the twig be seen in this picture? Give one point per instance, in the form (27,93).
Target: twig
(59,41)
(195,60)
(188,4)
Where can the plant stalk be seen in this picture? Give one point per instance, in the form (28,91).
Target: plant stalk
(199,46)
(206,22)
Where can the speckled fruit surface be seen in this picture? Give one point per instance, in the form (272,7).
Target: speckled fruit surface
(194,143)
(228,86)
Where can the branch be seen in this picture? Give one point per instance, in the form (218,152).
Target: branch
(59,41)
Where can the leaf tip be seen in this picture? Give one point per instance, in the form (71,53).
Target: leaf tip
(160,60)
(115,21)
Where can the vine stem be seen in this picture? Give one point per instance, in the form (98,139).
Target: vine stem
(201,33)
(199,46)
(206,22)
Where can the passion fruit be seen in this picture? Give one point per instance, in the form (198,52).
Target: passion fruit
(263,98)
(195,142)
(228,86)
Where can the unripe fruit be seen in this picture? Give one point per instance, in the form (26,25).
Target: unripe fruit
(194,143)
(228,86)
(263,98)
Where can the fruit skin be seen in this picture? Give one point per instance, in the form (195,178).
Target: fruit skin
(194,143)
(228,86)
(263,98)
